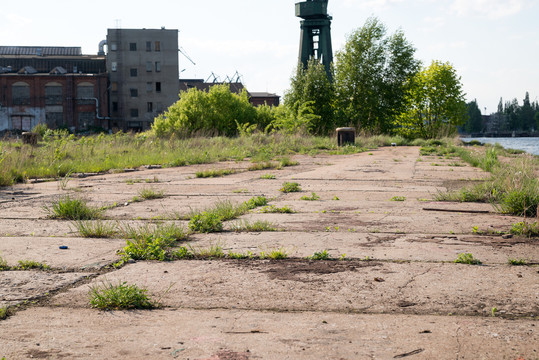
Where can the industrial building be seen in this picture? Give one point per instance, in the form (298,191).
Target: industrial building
(57,86)
(143,71)
(124,87)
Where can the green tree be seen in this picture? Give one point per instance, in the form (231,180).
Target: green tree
(312,86)
(435,103)
(475,120)
(372,72)
(527,114)
(216,112)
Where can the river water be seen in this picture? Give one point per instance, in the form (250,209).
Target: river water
(528,144)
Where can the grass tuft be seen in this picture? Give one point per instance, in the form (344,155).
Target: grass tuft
(320,255)
(31,265)
(313,197)
(151,194)
(211,173)
(258,225)
(67,208)
(467,258)
(120,297)
(98,229)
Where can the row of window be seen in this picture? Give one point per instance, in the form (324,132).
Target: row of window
(133,72)
(156,46)
(135,114)
(20,93)
(134,92)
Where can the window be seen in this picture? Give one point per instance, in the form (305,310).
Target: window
(158,46)
(134,113)
(157,87)
(114,86)
(149,87)
(157,66)
(53,94)
(150,107)
(113,47)
(134,92)
(132,46)
(21,93)
(114,66)
(148,46)
(133,72)
(85,94)
(86,120)
(54,119)
(115,106)
(148,66)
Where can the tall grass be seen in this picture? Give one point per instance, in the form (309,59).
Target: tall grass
(60,153)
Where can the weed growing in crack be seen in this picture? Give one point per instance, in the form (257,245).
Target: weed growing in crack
(517,262)
(206,222)
(525,229)
(98,229)
(67,208)
(3,264)
(215,251)
(274,254)
(467,258)
(120,297)
(31,265)
(4,313)
(274,209)
(268,177)
(151,194)
(320,255)
(398,198)
(211,173)
(256,201)
(258,225)
(313,197)
(238,255)
(289,187)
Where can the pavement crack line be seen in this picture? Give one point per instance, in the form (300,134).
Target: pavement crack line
(458,342)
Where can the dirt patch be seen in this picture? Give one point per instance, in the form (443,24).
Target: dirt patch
(301,270)
(229,355)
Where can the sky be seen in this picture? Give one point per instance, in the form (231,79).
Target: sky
(493,45)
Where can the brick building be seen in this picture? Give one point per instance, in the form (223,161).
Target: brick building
(35,88)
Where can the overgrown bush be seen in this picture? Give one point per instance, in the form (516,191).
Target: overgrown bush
(216,112)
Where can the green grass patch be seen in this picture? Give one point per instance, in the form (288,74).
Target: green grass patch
(313,197)
(398,198)
(517,262)
(67,208)
(206,222)
(151,194)
(289,187)
(268,176)
(211,173)
(4,313)
(31,265)
(279,210)
(467,258)
(525,228)
(98,229)
(320,255)
(120,297)
(274,254)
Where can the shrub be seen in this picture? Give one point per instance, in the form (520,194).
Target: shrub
(72,209)
(120,297)
(218,111)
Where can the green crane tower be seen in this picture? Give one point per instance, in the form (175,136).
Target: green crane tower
(315,40)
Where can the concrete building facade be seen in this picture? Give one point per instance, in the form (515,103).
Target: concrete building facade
(143,70)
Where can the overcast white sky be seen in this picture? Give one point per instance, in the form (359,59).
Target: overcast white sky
(494,45)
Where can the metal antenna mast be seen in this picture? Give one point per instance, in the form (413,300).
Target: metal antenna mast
(315,40)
